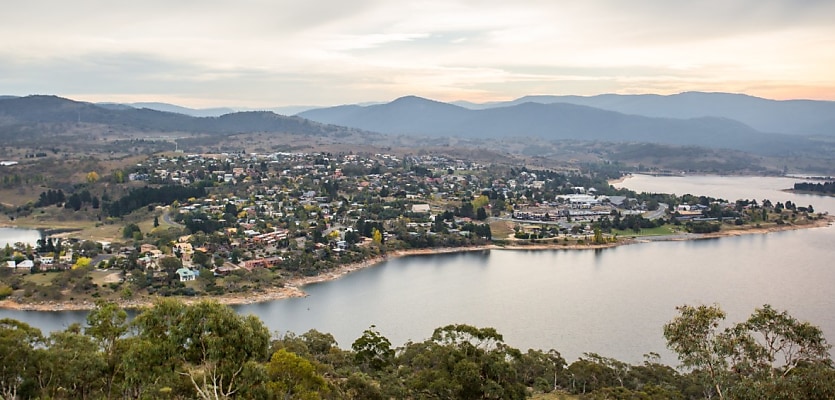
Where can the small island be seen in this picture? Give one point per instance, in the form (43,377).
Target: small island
(825,188)
(248,227)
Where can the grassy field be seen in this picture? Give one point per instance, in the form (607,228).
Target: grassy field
(103,278)
(555,396)
(501,229)
(658,231)
(85,226)
(42,279)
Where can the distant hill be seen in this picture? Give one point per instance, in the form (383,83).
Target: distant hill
(417,116)
(207,112)
(797,117)
(53,109)
(202,112)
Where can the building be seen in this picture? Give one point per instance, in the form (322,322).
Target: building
(187,274)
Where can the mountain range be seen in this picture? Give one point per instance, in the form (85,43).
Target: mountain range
(548,119)
(805,117)
(713,120)
(37,109)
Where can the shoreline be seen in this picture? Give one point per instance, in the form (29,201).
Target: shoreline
(294,287)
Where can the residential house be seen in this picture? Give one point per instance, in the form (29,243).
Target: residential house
(420,208)
(186,274)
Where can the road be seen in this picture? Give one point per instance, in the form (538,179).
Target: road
(659,213)
(166,217)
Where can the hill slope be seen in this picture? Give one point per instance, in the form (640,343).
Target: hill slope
(52,109)
(416,116)
(797,117)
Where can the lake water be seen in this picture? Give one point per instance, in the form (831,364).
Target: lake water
(613,302)
(14,235)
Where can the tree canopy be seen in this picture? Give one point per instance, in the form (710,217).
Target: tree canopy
(207,351)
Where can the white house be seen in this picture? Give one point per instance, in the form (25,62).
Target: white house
(420,208)
(186,275)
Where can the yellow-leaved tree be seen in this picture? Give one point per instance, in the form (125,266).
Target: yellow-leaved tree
(92,177)
(81,262)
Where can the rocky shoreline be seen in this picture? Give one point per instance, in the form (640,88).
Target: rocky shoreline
(294,286)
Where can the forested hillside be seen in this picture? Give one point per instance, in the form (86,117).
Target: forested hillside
(205,350)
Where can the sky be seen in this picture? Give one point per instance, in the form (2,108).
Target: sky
(260,53)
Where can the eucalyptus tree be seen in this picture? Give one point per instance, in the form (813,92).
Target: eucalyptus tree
(211,347)
(107,326)
(463,362)
(769,355)
(18,342)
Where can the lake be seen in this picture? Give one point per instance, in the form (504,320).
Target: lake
(613,302)
(11,236)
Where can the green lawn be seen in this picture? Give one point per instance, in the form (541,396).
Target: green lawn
(659,231)
(41,278)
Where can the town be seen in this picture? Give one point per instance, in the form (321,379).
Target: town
(219,224)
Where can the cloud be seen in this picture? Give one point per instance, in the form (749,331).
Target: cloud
(322,52)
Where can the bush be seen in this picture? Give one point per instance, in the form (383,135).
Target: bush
(5,291)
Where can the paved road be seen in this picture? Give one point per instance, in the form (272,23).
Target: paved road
(166,217)
(659,213)
(99,258)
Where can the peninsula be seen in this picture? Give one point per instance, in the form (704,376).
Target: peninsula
(251,227)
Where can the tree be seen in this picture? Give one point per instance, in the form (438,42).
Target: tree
(129,230)
(480,201)
(462,362)
(202,259)
(293,377)
(598,236)
(71,366)
(481,214)
(156,221)
(119,176)
(540,370)
(153,357)
(107,324)
(777,343)
(694,335)
(92,177)
(377,236)
(207,343)
(18,341)
(372,350)
(170,265)
(82,262)
(762,357)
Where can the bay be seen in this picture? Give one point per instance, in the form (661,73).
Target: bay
(613,302)
(11,236)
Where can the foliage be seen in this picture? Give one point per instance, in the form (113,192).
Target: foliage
(17,347)
(292,376)
(5,291)
(372,350)
(821,187)
(129,230)
(205,350)
(765,351)
(82,262)
(142,197)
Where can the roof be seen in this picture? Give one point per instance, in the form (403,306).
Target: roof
(185,272)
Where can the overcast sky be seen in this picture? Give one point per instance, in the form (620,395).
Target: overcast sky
(313,52)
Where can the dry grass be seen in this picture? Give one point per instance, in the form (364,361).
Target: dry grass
(42,279)
(103,278)
(554,396)
(20,195)
(501,229)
